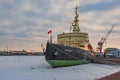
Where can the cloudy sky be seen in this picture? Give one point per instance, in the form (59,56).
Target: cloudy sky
(24,23)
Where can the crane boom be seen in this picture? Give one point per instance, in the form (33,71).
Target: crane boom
(103,39)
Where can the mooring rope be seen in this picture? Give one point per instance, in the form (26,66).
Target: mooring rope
(66,53)
(88,56)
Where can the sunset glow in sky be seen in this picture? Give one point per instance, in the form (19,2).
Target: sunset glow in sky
(24,23)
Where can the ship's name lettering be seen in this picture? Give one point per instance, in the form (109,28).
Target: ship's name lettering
(68,50)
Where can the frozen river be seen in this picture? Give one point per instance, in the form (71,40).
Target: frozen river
(36,68)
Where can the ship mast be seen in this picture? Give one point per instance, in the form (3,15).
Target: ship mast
(75,23)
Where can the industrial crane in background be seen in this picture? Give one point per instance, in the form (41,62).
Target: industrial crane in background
(103,40)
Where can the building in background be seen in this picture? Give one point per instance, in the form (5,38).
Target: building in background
(112,52)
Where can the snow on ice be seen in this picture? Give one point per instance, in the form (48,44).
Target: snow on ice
(36,68)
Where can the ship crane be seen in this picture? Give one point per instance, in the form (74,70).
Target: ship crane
(103,40)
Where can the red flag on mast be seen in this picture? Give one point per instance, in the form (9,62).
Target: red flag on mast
(50,31)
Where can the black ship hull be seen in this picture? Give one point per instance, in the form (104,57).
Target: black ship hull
(59,56)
